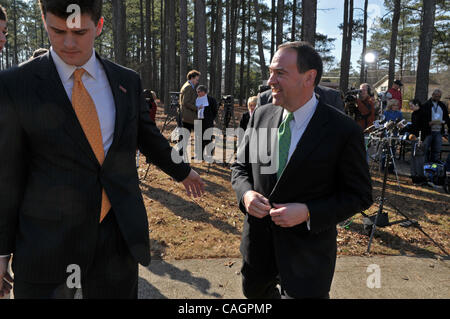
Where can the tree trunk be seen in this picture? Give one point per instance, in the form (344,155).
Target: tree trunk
(218,51)
(262,61)
(249,61)
(200,27)
(120,31)
(294,17)
(425,46)
(141,16)
(280,16)
(272,38)
(183,42)
(234,27)
(212,38)
(346,45)
(362,77)
(162,51)
(309,21)
(155,70)
(171,83)
(242,85)
(148,46)
(16,52)
(393,48)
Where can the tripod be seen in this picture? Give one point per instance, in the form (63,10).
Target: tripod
(173,114)
(227,113)
(383,217)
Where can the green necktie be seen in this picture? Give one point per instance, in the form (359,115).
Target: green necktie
(284,142)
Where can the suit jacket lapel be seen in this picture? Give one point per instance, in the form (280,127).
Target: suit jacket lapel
(51,90)
(311,138)
(120,101)
(274,122)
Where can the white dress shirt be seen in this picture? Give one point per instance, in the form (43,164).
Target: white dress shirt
(300,122)
(298,125)
(96,83)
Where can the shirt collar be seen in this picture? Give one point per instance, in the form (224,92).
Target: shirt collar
(66,70)
(302,113)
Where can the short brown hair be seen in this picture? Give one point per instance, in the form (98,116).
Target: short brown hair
(192,74)
(307,58)
(3,15)
(59,8)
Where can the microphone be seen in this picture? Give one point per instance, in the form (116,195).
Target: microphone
(401,124)
(389,125)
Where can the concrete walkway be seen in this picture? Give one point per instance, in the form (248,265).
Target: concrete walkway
(399,277)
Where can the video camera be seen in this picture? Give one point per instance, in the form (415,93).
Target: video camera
(384,97)
(228,104)
(227,99)
(263,88)
(351,107)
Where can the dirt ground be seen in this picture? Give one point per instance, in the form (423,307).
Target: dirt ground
(210,227)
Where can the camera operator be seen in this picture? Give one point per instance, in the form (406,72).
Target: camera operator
(365,113)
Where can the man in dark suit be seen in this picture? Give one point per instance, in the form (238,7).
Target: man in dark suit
(317,176)
(71,211)
(327,95)
(433,116)
(209,115)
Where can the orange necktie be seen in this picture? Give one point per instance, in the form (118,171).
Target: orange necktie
(87,115)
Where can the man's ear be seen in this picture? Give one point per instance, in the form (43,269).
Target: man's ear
(311,77)
(100,26)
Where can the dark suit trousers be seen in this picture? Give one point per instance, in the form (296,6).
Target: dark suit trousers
(113,273)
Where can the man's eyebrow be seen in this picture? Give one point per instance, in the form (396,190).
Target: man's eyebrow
(276,68)
(70,29)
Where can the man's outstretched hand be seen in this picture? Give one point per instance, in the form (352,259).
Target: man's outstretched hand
(5,278)
(194,184)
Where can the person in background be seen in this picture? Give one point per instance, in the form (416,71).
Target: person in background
(434,116)
(209,114)
(392,112)
(188,95)
(366,106)
(251,105)
(396,93)
(3,27)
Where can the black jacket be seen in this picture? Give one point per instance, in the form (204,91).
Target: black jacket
(328,172)
(210,113)
(424,117)
(244,120)
(51,181)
